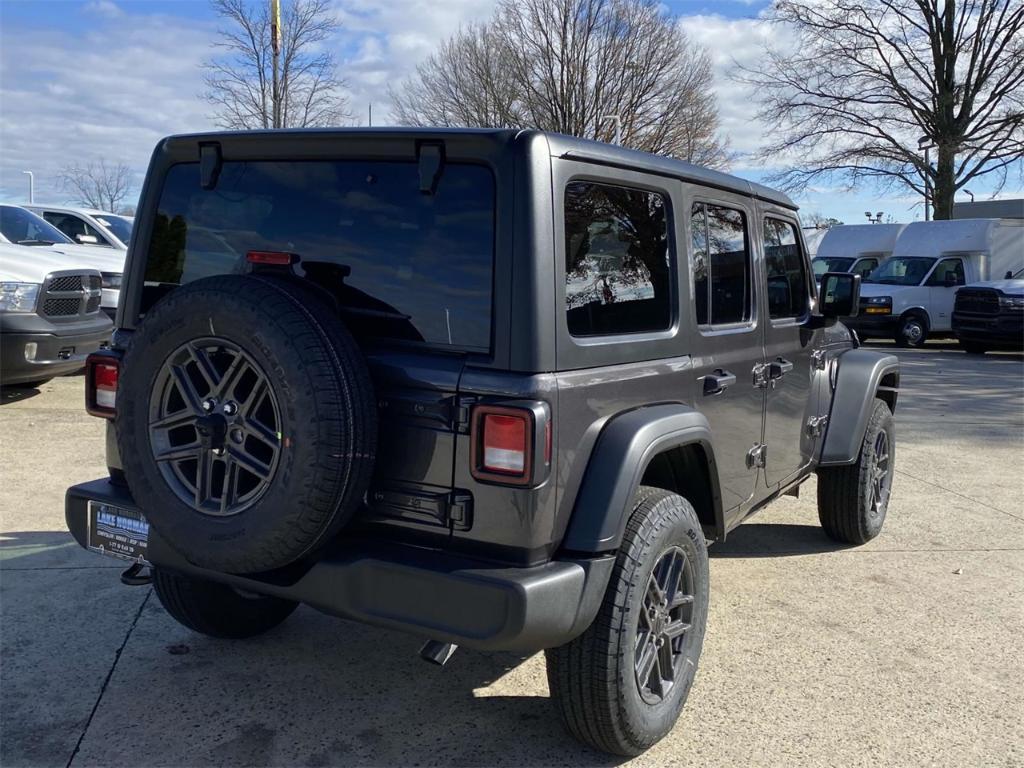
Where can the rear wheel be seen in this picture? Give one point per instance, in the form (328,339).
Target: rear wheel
(216,609)
(620,686)
(853,500)
(912,330)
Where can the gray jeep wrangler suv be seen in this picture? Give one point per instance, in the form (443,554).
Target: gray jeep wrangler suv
(496,388)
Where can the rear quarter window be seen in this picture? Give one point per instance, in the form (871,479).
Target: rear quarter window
(403,264)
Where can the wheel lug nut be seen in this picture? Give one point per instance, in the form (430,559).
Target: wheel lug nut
(230,409)
(209,404)
(237,435)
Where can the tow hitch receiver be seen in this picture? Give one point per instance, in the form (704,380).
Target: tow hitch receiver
(137,575)
(437,652)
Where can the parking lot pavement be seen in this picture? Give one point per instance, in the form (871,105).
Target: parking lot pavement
(902,652)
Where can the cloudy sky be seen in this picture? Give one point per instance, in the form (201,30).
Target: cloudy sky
(82,80)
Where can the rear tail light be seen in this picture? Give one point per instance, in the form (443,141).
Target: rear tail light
(508,442)
(102,370)
(272,258)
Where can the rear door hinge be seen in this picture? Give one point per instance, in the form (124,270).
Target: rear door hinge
(818,359)
(461,407)
(816,425)
(757,456)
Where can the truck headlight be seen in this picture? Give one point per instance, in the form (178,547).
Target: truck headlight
(18,297)
(877,305)
(112,280)
(1011,302)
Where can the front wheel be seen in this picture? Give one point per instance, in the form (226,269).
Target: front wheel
(852,500)
(620,686)
(216,609)
(912,331)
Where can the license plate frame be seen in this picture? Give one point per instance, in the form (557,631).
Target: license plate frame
(117,532)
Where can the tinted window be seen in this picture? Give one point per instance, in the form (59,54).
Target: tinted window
(617,275)
(948,272)
(73,227)
(784,266)
(721,264)
(402,264)
(25,228)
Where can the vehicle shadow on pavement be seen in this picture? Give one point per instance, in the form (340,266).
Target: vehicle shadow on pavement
(775,540)
(315,691)
(15,393)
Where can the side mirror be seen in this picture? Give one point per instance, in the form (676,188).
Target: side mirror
(87,239)
(1008,275)
(839,295)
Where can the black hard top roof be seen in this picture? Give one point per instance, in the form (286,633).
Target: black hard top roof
(561,145)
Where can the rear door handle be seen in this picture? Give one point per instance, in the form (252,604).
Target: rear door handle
(719,380)
(779,367)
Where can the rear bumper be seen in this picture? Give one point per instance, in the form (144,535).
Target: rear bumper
(425,592)
(1003,330)
(31,355)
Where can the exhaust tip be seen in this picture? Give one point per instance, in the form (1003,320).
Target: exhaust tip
(437,652)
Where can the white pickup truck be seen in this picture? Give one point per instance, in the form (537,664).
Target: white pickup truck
(909,297)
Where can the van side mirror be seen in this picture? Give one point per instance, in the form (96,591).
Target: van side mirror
(1008,275)
(839,295)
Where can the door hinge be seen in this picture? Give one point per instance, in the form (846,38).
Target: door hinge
(757,456)
(818,359)
(760,376)
(460,413)
(816,425)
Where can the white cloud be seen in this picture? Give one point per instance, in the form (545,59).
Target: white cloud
(110,92)
(104,8)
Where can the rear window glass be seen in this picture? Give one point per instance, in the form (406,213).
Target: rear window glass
(617,276)
(403,264)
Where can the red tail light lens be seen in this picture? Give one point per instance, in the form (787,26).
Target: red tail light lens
(273,258)
(101,374)
(503,440)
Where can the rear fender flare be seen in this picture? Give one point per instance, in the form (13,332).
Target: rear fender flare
(622,454)
(857,381)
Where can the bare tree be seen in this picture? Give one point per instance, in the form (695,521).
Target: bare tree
(866,84)
(239,78)
(97,184)
(569,66)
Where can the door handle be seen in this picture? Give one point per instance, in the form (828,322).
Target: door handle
(719,380)
(779,367)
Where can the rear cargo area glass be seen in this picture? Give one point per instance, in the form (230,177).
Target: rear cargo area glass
(404,264)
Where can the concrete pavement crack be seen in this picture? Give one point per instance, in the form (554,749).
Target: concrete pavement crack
(962,496)
(110,674)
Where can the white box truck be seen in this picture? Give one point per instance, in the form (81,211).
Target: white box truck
(909,297)
(856,248)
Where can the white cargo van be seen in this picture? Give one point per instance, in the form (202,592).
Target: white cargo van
(856,248)
(910,296)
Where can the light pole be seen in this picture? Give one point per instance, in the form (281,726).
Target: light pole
(970,193)
(876,219)
(275,45)
(925,143)
(31,186)
(617,119)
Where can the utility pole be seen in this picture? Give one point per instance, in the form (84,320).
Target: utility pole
(617,120)
(925,143)
(370,116)
(31,186)
(275,44)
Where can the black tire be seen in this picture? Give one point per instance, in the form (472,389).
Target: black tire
(912,330)
(216,609)
(973,347)
(849,506)
(593,681)
(321,455)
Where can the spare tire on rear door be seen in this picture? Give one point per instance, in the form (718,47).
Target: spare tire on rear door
(246,422)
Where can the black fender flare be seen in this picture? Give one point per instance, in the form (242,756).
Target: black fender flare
(624,449)
(857,380)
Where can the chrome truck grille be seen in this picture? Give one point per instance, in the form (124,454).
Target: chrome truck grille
(71,295)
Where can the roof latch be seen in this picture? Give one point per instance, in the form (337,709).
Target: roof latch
(209,164)
(430,156)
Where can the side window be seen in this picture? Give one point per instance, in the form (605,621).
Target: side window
(864,267)
(949,272)
(721,264)
(72,226)
(784,266)
(617,271)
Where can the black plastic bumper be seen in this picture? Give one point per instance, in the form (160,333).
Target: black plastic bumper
(1003,331)
(873,326)
(53,354)
(426,592)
